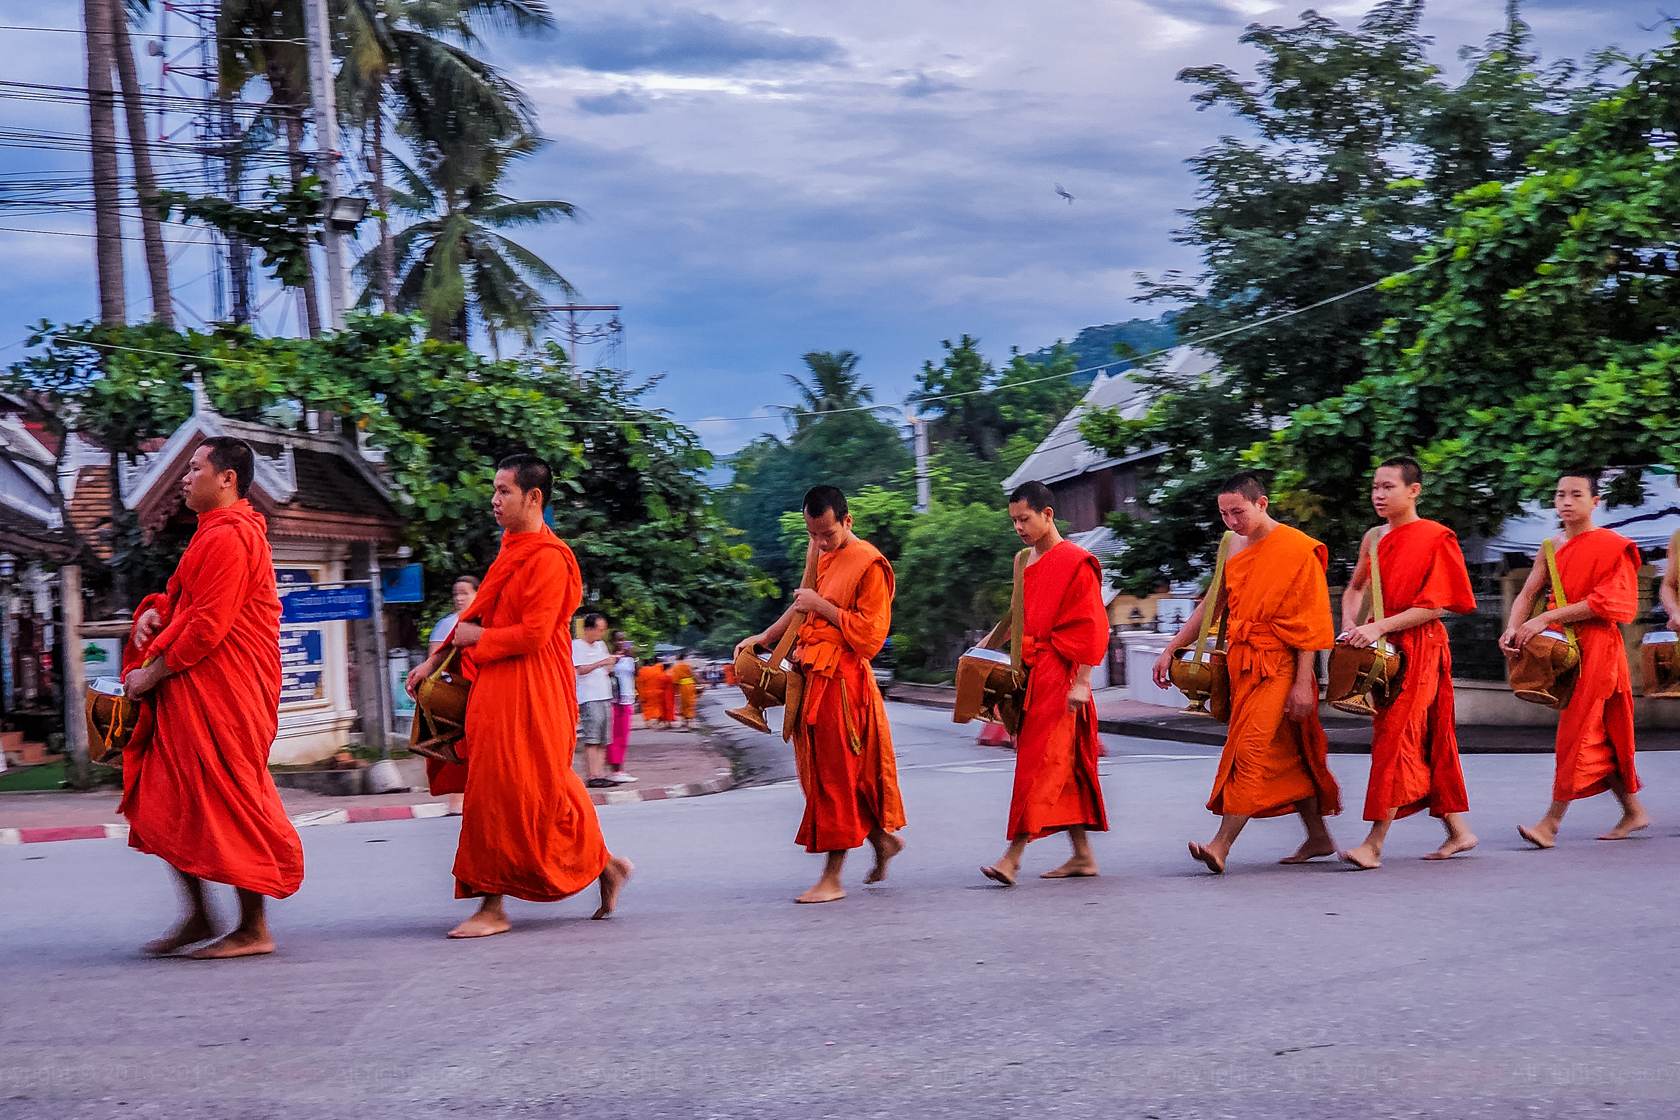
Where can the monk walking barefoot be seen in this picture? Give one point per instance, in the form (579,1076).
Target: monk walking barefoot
(205,656)
(1276,756)
(1599,570)
(1064,635)
(842,745)
(1414,743)
(528,827)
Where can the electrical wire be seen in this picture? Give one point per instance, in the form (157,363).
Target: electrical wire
(160,37)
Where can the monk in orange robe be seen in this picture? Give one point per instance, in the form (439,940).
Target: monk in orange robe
(528,827)
(1276,755)
(1600,574)
(1064,636)
(842,746)
(682,678)
(205,656)
(650,687)
(1414,745)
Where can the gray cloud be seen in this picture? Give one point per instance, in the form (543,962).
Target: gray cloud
(614,104)
(681,42)
(926,85)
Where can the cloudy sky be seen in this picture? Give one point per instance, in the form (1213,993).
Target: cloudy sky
(759,179)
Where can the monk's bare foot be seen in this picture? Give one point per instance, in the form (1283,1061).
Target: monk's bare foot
(189,932)
(612,880)
(239,943)
(1000,873)
(1074,868)
(823,892)
(1541,835)
(481,924)
(1362,857)
(1452,845)
(1215,862)
(1312,849)
(1628,825)
(886,848)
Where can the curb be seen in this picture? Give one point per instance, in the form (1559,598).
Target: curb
(365,814)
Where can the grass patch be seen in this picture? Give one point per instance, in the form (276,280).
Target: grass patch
(49,776)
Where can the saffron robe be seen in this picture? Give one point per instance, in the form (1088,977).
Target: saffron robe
(196,786)
(1279,603)
(528,827)
(1595,731)
(682,675)
(1064,626)
(841,743)
(650,688)
(1414,744)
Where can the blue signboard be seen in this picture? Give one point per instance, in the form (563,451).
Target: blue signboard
(325,604)
(402,585)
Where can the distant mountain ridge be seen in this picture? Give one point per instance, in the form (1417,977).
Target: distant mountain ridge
(1094,346)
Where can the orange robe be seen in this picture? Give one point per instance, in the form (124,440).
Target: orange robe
(1414,745)
(1279,603)
(841,743)
(528,828)
(196,786)
(1595,731)
(650,688)
(682,675)
(1056,752)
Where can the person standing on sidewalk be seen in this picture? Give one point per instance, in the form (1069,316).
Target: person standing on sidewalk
(651,683)
(529,829)
(1599,570)
(683,682)
(842,745)
(1276,757)
(206,653)
(594,662)
(1414,741)
(462,591)
(624,707)
(1064,637)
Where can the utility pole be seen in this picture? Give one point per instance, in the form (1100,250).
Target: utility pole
(102,143)
(924,487)
(325,110)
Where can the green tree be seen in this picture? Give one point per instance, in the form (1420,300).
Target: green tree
(1357,146)
(881,517)
(953,577)
(1536,336)
(834,387)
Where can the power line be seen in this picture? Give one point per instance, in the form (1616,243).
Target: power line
(186,38)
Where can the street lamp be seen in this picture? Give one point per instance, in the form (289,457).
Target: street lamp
(346,212)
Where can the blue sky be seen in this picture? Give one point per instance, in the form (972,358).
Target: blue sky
(763,178)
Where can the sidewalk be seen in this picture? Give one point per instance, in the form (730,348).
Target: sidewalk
(667,763)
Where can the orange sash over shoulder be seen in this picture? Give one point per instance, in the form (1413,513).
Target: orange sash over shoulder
(841,742)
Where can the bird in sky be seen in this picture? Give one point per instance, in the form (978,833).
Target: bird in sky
(1061,192)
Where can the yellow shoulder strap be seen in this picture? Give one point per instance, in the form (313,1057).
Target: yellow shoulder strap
(1558,597)
(1215,592)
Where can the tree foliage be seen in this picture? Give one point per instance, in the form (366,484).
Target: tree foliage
(284,228)
(953,577)
(1536,336)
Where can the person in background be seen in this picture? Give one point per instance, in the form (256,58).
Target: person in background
(463,591)
(682,677)
(624,706)
(650,687)
(594,662)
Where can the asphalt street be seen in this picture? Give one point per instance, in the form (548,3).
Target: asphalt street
(1506,983)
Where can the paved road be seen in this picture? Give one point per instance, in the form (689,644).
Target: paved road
(1506,984)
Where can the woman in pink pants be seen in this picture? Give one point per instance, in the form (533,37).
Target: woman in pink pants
(624,707)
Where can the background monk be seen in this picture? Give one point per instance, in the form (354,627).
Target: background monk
(528,827)
(1064,636)
(1668,591)
(1600,573)
(682,678)
(650,687)
(196,786)
(841,742)
(1276,755)
(1414,745)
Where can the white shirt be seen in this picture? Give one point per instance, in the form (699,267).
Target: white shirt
(625,670)
(598,684)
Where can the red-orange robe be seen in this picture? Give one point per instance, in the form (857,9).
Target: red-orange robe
(1595,731)
(1056,751)
(1414,744)
(196,786)
(841,743)
(528,828)
(650,687)
(1280,603)
(682,676)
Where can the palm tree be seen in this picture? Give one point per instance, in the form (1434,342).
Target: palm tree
(102,144)
(454,264)
(411,57)
(834,387)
